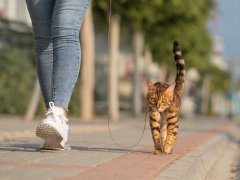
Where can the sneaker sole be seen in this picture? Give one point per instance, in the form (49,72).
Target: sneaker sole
(51,137)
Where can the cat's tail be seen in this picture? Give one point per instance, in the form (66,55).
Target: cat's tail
(180,65)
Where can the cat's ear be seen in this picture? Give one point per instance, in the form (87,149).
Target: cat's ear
(170,89)
(150,86)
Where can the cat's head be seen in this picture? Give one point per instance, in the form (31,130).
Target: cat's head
(159,101)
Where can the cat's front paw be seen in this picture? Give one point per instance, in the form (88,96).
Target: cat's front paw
(167,149)
(157,152)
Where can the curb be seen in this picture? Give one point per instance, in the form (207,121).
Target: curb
(197,163)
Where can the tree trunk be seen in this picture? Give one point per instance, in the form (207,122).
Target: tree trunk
(148,56)
(113,99)
(149,61)
(33,104)
(11,7)
(138,50)
(205,95)
(163,74)
(87,74)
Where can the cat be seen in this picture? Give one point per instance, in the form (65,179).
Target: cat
(163,101)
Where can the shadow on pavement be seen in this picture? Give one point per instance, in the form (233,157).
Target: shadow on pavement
(34,147)
(24,147)
(102,149)
(108,149)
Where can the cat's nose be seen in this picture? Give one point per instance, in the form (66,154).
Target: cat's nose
(160,110)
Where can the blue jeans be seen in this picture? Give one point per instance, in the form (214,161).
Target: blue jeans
(56,25)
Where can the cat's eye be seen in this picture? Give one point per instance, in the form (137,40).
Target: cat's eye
(164,100)
(152,98)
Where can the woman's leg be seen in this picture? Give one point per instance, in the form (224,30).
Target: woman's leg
(67,20)
(41,15)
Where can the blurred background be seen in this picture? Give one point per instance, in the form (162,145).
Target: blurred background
(139,49)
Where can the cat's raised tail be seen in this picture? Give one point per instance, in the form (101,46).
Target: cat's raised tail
(180,65)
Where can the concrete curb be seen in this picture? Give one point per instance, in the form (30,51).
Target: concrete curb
(197,163)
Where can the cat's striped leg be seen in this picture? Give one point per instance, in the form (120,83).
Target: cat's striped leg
(163,132)
(172,131)
(155,118)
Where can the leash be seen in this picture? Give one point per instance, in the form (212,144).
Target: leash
(108,116)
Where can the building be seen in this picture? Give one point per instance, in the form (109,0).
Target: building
(217,58)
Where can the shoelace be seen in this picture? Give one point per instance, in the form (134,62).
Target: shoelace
(53,113)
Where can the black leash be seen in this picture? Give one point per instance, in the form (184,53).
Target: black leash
(108,116)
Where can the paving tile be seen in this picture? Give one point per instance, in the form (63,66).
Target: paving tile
(95,156)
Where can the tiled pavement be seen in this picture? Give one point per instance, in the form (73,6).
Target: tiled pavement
(93,154)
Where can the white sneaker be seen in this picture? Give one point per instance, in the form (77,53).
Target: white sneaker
(54,130)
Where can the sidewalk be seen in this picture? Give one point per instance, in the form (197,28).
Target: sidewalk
(95,156)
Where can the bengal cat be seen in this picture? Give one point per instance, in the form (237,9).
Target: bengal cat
(164,105)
